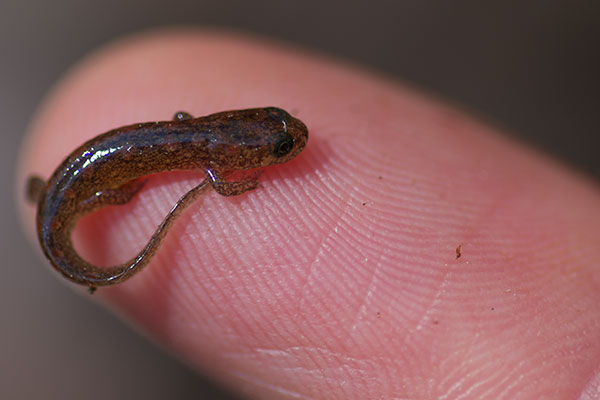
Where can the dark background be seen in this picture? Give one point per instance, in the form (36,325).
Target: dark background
(530,67)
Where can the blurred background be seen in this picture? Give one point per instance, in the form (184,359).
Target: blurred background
(532,68)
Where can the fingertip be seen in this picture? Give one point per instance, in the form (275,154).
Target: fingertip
(343,256)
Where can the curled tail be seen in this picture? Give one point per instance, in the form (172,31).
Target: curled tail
(144,256)
(75,268)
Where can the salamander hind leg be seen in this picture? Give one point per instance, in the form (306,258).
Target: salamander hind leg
(234,188)
(34,188)
(118,196)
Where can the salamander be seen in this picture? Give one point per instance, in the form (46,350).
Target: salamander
(111,169)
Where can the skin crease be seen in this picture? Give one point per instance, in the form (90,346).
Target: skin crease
(338,277)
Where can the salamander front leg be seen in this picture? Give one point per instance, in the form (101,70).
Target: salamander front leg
(235,188)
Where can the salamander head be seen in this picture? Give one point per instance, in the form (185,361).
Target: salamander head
(291,137)
(258,137)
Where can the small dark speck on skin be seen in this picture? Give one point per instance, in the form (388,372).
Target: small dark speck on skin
(380,177)
(435,322)
(378,314)
(364,204)
(459,251)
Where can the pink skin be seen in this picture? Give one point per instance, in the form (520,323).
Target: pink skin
(338,277)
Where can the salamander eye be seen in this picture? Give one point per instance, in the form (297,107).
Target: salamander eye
(284,145)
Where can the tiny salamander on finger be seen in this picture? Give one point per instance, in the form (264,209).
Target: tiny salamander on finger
(110,168)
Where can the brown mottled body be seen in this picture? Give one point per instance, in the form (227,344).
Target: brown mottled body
(109,169)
